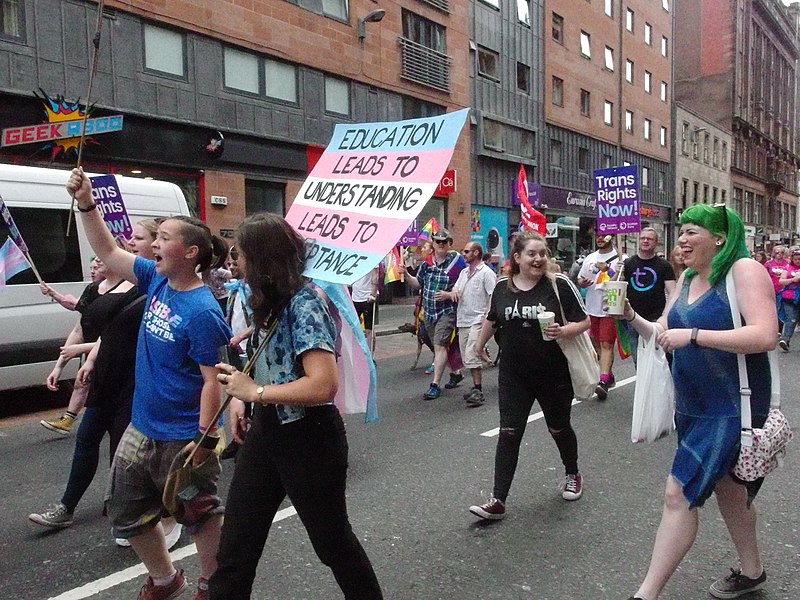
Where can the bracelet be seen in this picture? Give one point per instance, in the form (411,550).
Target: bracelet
(209,443)
(87,209)
(693,339)
(632,319)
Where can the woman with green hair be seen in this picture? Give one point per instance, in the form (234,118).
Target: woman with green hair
(698,329)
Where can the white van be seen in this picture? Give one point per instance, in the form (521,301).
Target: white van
(32,326)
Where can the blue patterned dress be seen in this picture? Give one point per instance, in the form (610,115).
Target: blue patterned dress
(707,398)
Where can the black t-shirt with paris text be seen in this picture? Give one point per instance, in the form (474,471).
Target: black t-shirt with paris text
(646,278)
(516,314)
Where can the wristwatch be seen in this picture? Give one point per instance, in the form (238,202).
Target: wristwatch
(693,341)
(259,391)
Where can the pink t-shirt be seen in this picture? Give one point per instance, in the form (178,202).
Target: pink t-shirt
(775,269)
(789,291)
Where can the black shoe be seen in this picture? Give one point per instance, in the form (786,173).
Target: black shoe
(601,390)
(736,584)
(230,450)
(455,379)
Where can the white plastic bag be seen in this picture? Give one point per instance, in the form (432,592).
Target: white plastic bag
(654,398)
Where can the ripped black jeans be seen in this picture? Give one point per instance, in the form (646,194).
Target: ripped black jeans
(517,393)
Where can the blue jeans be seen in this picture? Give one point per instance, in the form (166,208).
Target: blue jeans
(305,460)
(96,422)
(791,311)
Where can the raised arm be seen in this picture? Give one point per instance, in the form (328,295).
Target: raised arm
(100,238)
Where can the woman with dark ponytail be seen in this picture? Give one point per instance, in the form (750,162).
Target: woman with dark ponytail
(296,445)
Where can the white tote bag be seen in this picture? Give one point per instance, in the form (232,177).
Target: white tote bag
(654,398)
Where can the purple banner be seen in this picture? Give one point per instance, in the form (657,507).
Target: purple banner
(105,192)
(410,235)
(617,193)
(534,190)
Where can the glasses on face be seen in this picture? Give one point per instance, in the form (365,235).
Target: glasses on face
(440,242)
(467,251)
(721,206)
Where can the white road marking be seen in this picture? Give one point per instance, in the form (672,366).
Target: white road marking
(536,416)
(95,587)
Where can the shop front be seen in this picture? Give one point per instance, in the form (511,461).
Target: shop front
(571,218)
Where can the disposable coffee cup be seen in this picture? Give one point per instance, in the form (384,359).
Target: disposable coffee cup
(615,292)
(545,320)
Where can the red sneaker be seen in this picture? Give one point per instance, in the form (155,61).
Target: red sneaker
(151,591)
(493,510)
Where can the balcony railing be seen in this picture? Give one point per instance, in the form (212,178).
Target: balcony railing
(425,65)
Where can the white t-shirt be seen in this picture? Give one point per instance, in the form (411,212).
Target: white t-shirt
(589,270)
(364,288)
(475,292)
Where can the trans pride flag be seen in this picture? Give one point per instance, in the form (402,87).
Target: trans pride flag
(12,261)
(358,378)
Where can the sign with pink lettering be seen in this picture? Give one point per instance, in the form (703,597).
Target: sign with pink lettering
(367,187)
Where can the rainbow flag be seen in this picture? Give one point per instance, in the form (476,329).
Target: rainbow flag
(392,262)
(12,261)
(623,340)
(431,227)
(358,378)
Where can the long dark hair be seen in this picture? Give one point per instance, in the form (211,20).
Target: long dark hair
(212,250)
(275,257)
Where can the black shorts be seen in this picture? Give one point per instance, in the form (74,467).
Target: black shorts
(364,309)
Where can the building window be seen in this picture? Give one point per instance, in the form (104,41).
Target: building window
(609,58)
(648,125)
(337,96)
(706,144)
(629,121)
(424,52)
(715,153)
(586,103)
(648,34)
(608,8)
(335,8)
(281,80)
(663,136)
(645,177)
(664,46)
(586,47)
(413,108)
(608,113)
(696,195)
(583,160)
(705,193)
(607,161)
(263,196)
(662,178)
(164,51)
(558,91)
(241,71)
(524,12)
(714,195)
(724,161)
(493,135)
(695,146)
(648,82)
(724,196)
(523,78)
(628,70)
(488,61)
(555,153)
(684,191)
(558,28)
(11,18)
(663,91)
(629,19)
(665,5)
(685,138)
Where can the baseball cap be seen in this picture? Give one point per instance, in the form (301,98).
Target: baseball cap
(442,235)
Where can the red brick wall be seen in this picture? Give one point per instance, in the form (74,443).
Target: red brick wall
(231,185)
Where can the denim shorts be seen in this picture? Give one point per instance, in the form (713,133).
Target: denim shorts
(136,487)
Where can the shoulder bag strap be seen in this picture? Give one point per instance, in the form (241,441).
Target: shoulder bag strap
(744,382)
(558,297)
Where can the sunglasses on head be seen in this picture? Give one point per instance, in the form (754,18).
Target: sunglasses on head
(721,205)
(234,254)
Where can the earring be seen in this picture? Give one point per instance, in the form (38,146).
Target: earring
(719,242)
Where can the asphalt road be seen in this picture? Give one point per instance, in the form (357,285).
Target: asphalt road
(413,476)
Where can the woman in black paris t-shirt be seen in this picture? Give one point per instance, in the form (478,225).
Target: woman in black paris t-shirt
(532,367)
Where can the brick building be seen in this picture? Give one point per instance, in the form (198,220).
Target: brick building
(269,77)
(736,65)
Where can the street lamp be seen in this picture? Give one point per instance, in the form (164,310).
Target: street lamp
(371,17)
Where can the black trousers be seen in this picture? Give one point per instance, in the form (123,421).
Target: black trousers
(306,460)
(517,393)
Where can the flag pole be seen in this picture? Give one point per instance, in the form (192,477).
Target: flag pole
(92,71)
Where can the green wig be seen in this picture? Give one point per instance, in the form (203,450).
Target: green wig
(725,223)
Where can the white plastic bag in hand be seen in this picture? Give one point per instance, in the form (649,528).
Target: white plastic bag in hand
(654,398)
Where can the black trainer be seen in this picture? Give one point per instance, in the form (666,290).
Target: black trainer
(736,584)
(455,379)
(601,390)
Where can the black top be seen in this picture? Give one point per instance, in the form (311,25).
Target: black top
(96,309)
(646,278)
(113,375)
(521,342)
